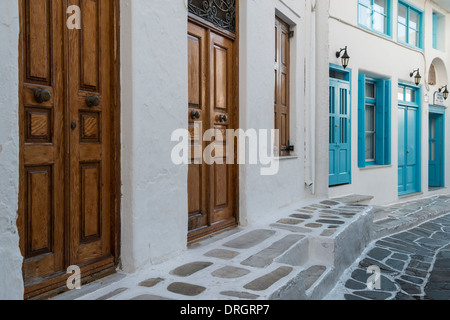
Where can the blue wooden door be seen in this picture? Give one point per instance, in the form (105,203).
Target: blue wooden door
(339,134)
(436,151)
(408,150)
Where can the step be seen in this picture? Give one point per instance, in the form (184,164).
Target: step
(404,216)
(355,199)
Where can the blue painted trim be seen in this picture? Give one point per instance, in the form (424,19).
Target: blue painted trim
(420,12)
(436,109)
(418,105)
(361,121)
(435,20)
(348,76)
(389,22)
(383,121)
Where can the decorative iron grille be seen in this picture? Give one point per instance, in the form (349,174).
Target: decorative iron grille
(222,13)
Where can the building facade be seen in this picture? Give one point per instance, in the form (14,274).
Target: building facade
(397,128)
(97,94)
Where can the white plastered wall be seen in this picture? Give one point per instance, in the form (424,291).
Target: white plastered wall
(154,99)
(11,282)
(381,57)
(261,196)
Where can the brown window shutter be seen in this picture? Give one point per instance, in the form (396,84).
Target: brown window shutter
(282,80)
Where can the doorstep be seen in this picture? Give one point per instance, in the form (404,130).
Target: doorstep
(299,256)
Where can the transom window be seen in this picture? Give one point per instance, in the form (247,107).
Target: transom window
(407,94)
(409,25)
(375,15)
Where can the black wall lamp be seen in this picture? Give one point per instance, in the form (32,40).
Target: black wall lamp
(417,78)
(444,92)
(345,58)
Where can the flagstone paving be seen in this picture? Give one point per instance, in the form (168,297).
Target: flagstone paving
(295,257)
(414,265)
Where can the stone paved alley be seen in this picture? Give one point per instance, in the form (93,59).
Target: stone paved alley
(414,264)
(303,254)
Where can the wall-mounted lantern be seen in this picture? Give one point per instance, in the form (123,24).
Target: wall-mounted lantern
(345,58)
(444,92)
(417,77)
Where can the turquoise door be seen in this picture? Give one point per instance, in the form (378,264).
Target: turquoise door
(436,151)
(339,134)
(408,150)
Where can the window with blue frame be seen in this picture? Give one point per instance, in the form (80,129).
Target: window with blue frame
(374,122)
(438,31)
(409,25)
(375,15)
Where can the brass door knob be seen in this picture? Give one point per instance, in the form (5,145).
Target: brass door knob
(42,95)
(92,101)
(195,115)
(223,118)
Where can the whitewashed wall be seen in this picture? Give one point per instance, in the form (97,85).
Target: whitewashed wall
(11,283)
(154,101)
(384,58)
(260,195)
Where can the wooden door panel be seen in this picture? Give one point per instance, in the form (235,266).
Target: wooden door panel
(89,44)
(41,168)
(197,179)
(38,29)
(223,104)
(211,59)
(90,140)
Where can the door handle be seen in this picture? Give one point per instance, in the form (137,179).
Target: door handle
(195,115)
(92,101)
(73,125)
(42,95)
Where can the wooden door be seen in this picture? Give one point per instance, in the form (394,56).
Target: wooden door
(340,139)
(212,105)
(67,194)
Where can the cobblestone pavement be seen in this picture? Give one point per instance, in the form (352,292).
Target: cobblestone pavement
(267,261)
(414,265)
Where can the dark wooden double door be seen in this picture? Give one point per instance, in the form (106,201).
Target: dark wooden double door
(212,188)
(67,197)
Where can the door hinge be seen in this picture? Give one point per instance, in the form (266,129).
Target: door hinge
(291,34)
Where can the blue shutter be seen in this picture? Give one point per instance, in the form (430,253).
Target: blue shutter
(435,19)
(361,121)
(380,123)
(387,120)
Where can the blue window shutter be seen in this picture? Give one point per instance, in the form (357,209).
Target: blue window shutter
(361,121)
(387,120)
(380,123)
(435,18)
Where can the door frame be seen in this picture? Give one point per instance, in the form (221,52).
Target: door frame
(348,81)
(96,270)
(201,234)
(439,113)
